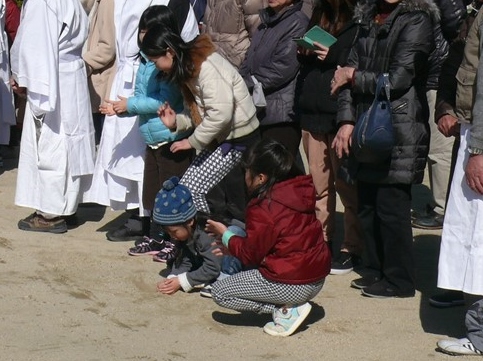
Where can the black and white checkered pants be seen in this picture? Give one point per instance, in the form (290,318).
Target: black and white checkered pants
(206,171)
(250,291)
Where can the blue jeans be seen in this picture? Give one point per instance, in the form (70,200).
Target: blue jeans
(229,264)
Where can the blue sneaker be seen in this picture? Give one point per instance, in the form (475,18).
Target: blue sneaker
(286,320)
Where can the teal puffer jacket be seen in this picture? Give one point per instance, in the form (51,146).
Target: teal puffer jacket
(149,94)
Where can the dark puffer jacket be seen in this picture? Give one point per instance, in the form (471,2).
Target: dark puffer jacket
(272,59)
(400,47)
(315,108)
(445,29)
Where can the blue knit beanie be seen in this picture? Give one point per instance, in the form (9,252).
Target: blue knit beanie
(173,204)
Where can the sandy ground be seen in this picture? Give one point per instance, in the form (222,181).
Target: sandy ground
(77,296)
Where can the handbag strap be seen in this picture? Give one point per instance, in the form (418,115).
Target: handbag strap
(383,85)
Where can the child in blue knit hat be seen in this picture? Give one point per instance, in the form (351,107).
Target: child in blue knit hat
(194,263)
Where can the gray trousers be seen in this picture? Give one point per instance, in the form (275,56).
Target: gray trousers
(474,324)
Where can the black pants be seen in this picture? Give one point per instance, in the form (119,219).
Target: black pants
(385,215)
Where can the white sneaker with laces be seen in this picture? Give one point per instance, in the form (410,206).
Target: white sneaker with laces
(461,347)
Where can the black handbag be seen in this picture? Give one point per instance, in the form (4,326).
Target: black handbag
(373,138)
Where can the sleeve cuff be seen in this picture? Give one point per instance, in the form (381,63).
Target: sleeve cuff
(183,281)
(226,237)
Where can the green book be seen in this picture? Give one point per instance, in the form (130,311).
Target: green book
(316,34)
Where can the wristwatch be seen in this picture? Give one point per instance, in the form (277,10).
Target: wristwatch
(474,150)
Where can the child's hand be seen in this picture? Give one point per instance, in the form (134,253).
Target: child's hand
(167,116)
(180,145)
(106,108)
(215,229)
(169,286)
(220,250)
(119,106)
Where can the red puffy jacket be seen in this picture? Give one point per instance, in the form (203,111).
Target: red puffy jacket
(284,238)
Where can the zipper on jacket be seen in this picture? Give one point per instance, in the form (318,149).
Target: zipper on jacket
(400,106)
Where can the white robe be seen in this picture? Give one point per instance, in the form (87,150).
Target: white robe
(118,176)
(46,59)
(461,255)
(7,109)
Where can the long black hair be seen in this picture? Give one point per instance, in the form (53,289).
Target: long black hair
(273,159)
(159,15)
(156,43)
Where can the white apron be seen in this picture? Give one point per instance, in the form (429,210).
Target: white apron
(7,108)
(118,176)
(461,254)
(57,148)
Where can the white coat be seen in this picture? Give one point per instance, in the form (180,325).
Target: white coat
(7,109)
(118,175)
(57,148)
(461,255)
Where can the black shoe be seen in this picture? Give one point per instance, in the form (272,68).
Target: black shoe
(363,282)
(343,264)
(428,211)
(432,221)
(447,299)
(384,289)
(125,233)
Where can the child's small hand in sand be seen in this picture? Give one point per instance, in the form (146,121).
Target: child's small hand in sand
(169,286)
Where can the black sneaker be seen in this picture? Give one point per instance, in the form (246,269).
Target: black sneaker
(149,247)
(447,299)
(363,282)
(343,264)
(383,289)
(206,291)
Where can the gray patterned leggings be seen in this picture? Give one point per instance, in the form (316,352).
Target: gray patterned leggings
(206,171)
(250,291)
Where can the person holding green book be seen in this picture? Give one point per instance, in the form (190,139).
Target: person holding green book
(331,24)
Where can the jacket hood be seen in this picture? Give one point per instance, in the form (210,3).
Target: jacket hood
(270,18)
(297,193)
(365,10)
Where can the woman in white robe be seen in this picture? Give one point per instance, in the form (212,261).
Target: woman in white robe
(57,148)
(7,109)
(118,175)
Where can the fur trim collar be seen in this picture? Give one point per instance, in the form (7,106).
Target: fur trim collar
(365,10)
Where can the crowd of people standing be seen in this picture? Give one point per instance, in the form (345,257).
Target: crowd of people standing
(164,126)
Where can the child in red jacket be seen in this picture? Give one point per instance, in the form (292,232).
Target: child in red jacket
(284,248)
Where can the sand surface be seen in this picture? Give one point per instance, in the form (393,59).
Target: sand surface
(78,296)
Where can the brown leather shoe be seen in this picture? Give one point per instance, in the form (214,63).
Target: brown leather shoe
(36,223)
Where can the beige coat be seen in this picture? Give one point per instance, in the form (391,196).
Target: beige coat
(87,5)
(232,23)
(221,98)
(100,52)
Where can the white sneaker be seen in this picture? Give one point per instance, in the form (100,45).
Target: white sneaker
(206,291)
(459,347)
(286,320)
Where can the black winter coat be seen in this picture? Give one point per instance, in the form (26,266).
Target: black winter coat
(315,108)
(445,29)
(272,59)
(400,47)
